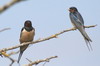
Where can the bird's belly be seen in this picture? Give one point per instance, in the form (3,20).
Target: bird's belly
(27,37)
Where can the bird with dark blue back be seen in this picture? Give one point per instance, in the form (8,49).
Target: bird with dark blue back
(78,22)
(26,35)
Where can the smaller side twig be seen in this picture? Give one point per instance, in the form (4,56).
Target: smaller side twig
(4,29)
(39,61)
(8,5)
(12,60)
(12,53)
(29,60)
(8,56)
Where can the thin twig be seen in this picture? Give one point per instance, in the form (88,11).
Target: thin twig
(44,39)
(11,60)
(8,5)
(12,53)
(29,60)
(39,61)
(8,56)
(4,29)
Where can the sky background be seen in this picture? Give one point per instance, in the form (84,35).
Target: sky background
(49,17)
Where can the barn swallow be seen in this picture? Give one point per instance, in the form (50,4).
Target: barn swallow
(78,22)
(26,35)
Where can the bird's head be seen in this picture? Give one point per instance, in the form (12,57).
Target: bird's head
(73,9)
(28,23)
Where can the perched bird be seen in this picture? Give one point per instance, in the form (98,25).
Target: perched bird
(27,35)
(78,23)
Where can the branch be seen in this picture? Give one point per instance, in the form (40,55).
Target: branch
(41,40)
(90,26)
(12,60)
(8,5)
(8,56)
(39,61)
(4,29)
(13,53)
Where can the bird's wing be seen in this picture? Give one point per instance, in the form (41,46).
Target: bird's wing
(80,17)
(76,19)
(21,32)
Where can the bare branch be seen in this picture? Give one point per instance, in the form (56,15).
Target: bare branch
(5,29)
(39,61)
(8,56)
(8,5)
(41,40)
(90,26)
(12,53)
(29,60)
(12,60)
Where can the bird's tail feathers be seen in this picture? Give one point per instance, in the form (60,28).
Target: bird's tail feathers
(88,45)
(20,55)
(86,38)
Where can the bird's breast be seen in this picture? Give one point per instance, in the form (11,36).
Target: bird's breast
(27,36)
